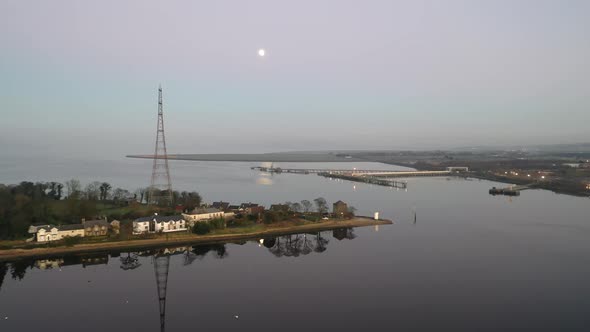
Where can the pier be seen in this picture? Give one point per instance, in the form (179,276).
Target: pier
(354,172)
(508,191)
(378,177)
(366,179)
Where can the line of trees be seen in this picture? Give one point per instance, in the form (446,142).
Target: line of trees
(29,203)
(305,206)
(321,206)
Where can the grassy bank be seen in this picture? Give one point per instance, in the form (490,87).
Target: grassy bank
(224,235)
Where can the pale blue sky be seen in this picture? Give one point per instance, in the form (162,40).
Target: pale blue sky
(81,77)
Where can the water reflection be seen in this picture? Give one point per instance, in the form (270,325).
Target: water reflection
(3,271)
(85,260)
(343,233)
(130,262)
(199,252)
(293,245)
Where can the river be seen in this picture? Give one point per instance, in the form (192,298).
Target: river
(455,259)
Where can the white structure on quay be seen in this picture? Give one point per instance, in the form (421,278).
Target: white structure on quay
(54,233)
(202,214)
(156,224)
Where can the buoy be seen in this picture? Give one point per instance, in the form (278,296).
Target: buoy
(236,316)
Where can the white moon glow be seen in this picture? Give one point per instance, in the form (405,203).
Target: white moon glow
(261,52)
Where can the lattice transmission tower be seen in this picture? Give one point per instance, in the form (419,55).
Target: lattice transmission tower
(161,266)
(160,192)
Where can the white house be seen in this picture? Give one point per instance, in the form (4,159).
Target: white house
(156,224)
(200,214)
(55,233)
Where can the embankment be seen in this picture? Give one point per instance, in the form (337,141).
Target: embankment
(189,239)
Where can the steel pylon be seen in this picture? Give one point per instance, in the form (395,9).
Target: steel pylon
(160,191)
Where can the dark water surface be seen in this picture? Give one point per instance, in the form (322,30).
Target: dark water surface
(470,262)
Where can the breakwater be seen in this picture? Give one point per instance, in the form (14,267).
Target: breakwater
(366,179)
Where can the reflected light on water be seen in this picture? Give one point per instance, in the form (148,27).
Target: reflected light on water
(264,180)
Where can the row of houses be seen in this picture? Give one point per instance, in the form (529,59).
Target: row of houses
(177,223)
(48,233)
(184,221)
(245,208)
(161,224)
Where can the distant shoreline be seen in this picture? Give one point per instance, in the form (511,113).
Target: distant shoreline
(261,157)
(192,239)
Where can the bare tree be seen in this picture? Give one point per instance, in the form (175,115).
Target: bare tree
(141,193)
(120,193)
(306,205)
(92,190)
(321,204)
(296,207)
(73,188)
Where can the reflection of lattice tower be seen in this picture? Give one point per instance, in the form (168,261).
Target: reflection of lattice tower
(160,188)
(161,264)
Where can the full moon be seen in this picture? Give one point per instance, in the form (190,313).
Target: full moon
(261,52)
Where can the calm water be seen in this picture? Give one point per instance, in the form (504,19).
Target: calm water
(470,262)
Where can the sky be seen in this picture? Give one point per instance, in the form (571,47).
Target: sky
(80,78)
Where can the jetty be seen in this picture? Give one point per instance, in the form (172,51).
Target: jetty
(353,172)
(378,177)
(509,191)
(367,179)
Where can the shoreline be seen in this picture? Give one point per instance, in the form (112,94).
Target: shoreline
(17,254)
(549,186)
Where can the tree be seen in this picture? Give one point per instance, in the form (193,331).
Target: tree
(148,196)
(104,188)
(60,188)
(191,200)
(73,188)
(321,205)
(92,190)
(141,193)
(52,186)
(306,205)
(119,194)
(270,217)
(201,228)
(296,207)
(351,210)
